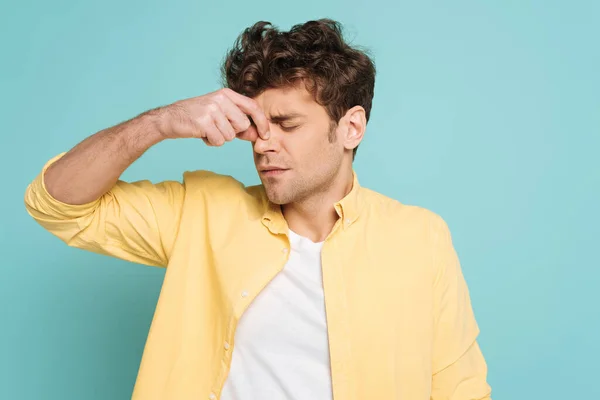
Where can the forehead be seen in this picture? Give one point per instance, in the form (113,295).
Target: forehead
(286,100)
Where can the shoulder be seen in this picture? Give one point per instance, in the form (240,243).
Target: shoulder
(203,179)
(423,229)
(224,187)
(378,204)
(404,220)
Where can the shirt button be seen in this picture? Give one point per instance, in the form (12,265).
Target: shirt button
(284,250)
(226,345)
(348,221)
(212,396)
(244,294)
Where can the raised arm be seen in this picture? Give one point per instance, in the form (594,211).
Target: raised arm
(78,195)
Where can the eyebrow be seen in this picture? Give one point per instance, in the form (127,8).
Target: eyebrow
(276,119)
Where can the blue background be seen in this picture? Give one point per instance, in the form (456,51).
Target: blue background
(488,113)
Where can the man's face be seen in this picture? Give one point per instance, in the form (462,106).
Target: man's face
(303,154)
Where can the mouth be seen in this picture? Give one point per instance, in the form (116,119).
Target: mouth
(272,171)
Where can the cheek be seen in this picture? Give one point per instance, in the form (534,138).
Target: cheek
(311,141)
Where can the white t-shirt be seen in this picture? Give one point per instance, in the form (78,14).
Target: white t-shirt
(281,347)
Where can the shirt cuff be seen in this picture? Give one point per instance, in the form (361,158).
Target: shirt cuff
(40,203)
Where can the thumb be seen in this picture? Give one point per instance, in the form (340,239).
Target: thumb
(250,134)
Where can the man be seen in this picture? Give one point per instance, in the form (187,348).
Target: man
(305,287)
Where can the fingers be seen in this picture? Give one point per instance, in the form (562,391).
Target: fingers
(239,121)
(225,115)
(215,128)
(225,128)
(212,135)
(250,134)
(251,108)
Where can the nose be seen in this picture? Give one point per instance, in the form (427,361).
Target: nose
(271,145)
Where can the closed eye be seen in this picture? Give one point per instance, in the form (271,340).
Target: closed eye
(289,128)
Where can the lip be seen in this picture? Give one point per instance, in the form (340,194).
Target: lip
(272,171)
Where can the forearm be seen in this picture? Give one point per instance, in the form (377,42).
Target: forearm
(92,168)
(466,378)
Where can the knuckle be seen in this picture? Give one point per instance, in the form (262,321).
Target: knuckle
(230,133)
(215,138)
(219,96)
(213,108)
(243,124)
(204,120)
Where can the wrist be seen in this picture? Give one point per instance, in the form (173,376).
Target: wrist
(140,134)
(155,122)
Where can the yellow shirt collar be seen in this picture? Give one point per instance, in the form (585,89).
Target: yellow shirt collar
(348,209)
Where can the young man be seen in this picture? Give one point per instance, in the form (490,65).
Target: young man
(305,287)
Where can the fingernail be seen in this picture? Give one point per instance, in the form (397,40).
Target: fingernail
(267,134)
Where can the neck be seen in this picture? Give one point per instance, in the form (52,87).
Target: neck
(315,216)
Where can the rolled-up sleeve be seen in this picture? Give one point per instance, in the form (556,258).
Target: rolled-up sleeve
(134,221)
(459,368)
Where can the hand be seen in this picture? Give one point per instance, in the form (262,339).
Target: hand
(216,118)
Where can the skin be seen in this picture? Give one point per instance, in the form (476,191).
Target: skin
(315,153)
(290,130)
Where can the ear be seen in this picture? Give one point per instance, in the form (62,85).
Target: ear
(355,122)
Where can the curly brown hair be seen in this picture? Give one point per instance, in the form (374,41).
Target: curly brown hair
(338,76)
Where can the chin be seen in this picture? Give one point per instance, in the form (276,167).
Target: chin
(277,197)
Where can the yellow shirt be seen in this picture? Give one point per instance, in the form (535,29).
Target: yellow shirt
(399,316)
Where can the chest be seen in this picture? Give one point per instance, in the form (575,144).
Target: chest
(288,316)
(376,288)
(376,298)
